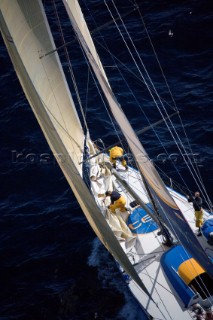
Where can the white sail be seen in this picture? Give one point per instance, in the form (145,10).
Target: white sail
(31,37)
(26,33)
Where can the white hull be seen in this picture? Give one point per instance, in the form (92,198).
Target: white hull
(146,253)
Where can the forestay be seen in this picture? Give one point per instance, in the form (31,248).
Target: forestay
(26,33)
(170,212)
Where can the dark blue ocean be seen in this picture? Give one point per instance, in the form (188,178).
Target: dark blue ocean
(52,267)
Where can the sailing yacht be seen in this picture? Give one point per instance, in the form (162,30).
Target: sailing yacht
(166,266)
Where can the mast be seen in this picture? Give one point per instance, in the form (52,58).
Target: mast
(170,213)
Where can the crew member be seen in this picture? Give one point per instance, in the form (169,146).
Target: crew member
(116,153)
(197,205)
(117,201)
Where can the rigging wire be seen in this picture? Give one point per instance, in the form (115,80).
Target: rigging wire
(201,182)
(159,295)
(124,40)
(145,83)
(101,96)
(91,32)
(168,87)
(130,71)
(172,134)
(159,110)
(70,67)
(111,119)
(160,102)
(167,84)
(172,97)
(115,58)
(136,100)
(87,91)
(122,141)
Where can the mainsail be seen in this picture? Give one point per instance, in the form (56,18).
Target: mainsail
(27,36)
(170,212)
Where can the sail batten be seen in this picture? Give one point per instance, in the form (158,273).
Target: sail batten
(171,214)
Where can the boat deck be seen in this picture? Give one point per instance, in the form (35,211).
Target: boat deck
(146,249)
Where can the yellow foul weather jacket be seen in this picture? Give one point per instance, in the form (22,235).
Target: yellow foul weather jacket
(116,152)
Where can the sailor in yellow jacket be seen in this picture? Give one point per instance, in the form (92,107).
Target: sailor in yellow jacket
(116,153)
(117,201)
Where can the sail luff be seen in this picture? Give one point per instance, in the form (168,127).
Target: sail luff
(13,25)
(170,212)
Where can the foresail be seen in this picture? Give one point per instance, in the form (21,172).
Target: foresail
(26,33)
(170,213)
